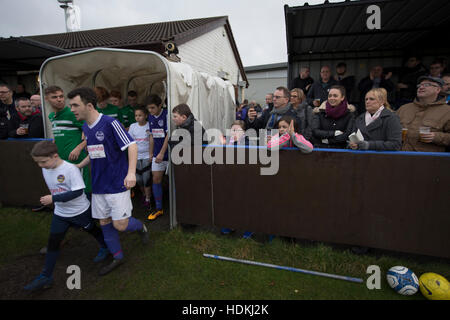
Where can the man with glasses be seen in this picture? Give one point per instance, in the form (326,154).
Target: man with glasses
(427,118)
(268,119)
(7,101)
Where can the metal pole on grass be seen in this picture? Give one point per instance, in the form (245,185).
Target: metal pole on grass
(316,273)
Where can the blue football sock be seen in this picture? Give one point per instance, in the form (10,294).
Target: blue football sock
(50,261)
(112,240)
(133,225)
(97,233)
(157,192)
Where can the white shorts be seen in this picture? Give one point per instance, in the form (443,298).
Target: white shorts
(117,206)
(159,166)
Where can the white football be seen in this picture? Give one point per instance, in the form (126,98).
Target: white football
(402,280)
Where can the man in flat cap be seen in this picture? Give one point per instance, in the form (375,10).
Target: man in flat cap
(427,118)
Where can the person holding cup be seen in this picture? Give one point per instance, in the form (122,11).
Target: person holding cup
(318,92)
(25,124)
(427,118)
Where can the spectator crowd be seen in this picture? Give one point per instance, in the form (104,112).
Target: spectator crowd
(410,115)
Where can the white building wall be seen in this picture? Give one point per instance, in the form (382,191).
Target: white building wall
(211,53)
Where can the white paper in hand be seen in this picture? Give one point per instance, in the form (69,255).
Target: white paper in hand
(356,137)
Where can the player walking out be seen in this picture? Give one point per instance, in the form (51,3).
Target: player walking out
(113,175)
(72,208)
(159,138)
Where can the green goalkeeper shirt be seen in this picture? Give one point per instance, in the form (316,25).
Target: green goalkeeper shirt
(112,111)
(127,113)
(67,134)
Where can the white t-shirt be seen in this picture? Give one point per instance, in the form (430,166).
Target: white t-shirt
(141,135)
(66,177)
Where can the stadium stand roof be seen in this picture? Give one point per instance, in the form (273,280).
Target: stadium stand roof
(341,27)
(24,54)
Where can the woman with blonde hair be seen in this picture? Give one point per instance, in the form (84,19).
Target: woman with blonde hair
(379,125)
(303,110)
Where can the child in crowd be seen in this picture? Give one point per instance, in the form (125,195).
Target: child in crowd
(237,134)
(158,149)
(140,132)
(183,118)
(72,208)
(288,136)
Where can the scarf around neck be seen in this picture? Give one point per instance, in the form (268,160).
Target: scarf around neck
(338,111)
(371,118)
(275,114)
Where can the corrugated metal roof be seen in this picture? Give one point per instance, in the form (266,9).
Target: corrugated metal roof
(342,27)
(131,35)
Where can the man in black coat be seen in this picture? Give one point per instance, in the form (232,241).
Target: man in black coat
(303,81)
(24,124)
(406,86)
(318,92)
(345,80)
(376,79)
(7,100)
(3,123)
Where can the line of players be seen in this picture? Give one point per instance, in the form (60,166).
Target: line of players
(117,158)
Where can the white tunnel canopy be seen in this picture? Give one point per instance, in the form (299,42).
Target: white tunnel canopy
(210,98)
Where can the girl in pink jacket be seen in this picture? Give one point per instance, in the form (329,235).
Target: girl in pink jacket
(288,137)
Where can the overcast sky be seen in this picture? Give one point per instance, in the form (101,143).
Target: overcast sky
(258,25)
